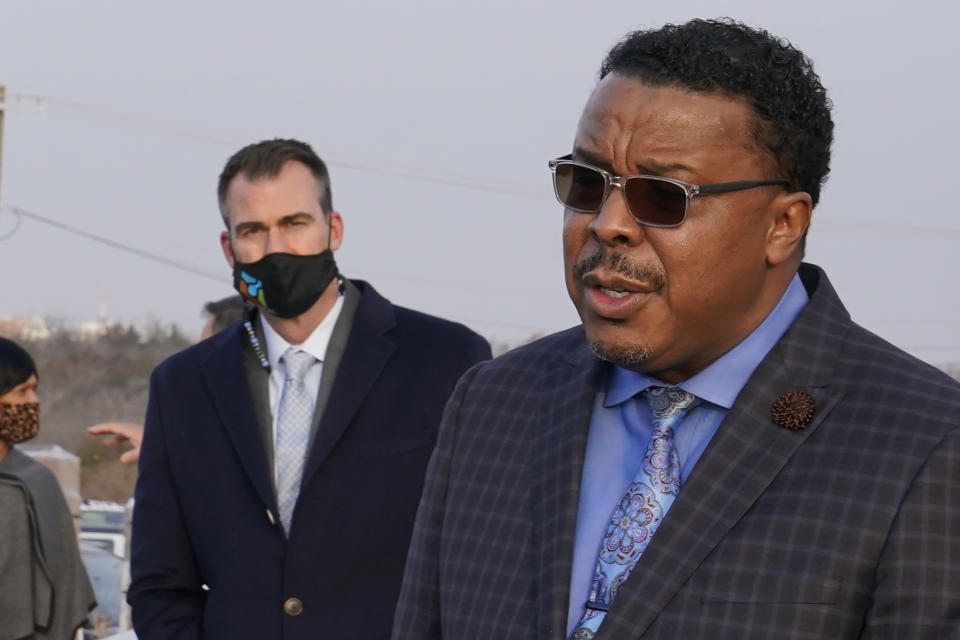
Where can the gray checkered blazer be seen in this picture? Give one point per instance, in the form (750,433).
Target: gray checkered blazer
(849,528)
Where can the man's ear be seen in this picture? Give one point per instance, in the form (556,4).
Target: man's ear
(227,248)
(336,230)
(791,217)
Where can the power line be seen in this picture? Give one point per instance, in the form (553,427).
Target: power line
(20,213)
(159,126)
(16,227)
(148,255)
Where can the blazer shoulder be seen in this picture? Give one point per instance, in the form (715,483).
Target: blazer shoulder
(883,380)
(564,348)
(413,328)
(825,339)
(433,327)
(871,359)
(195,355)
(413,318)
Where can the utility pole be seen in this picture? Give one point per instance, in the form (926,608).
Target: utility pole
(3,109)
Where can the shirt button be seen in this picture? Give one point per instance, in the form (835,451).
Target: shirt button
(293,607)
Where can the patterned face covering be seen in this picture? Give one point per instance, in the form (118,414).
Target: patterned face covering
(19,422)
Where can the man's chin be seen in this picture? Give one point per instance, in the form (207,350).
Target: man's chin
(628,356)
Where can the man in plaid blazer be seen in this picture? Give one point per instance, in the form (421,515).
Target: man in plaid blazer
(820,490)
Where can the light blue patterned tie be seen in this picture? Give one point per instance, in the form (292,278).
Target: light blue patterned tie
(642,508)
(294,415)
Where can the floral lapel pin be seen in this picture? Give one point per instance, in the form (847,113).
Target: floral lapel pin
(793,410)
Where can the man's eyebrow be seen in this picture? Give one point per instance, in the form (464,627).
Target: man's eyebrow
(248,226)
(296,217)
(256,225)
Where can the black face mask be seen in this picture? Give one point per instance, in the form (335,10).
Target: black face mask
(284,284)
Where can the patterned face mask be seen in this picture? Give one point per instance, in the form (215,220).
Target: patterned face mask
(19,422)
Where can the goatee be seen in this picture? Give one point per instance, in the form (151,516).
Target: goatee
(626,356)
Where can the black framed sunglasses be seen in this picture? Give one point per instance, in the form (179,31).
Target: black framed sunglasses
(651,200)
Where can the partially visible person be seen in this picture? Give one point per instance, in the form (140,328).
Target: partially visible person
(220,314)
(717,451)
(283,459)
(44,590)
(118,432)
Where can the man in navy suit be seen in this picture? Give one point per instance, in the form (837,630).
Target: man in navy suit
(718,451)
(283,458)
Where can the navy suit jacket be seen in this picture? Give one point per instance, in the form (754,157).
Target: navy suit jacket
(847,528)
(209,557)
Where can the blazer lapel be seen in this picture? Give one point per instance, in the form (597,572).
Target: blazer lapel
(367,351)
(224,376)
(744,457)
(567,394)
(334,354)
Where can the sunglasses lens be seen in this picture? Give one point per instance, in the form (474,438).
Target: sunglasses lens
(579,188)
(655,202)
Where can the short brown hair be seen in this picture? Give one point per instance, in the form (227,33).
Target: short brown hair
(265,159)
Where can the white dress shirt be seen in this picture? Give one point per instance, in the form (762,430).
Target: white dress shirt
(315,344)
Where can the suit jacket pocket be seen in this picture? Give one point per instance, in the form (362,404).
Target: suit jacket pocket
(753,586)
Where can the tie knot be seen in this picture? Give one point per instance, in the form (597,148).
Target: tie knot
(296,363)
(669,403)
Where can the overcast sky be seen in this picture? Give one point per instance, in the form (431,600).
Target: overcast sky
(143,103)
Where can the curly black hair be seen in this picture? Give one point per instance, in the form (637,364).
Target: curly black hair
(793,119)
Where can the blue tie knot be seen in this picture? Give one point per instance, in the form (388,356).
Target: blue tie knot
(296,363)
(668,404)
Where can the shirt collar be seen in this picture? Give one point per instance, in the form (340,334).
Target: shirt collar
(721,382)
(315,344)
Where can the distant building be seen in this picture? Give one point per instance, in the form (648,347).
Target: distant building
(33,328)
(24,328)
(90,330)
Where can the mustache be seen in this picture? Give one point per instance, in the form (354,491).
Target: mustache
(617,262)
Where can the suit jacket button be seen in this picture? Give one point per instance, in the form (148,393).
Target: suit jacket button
(270,518)
(293,607)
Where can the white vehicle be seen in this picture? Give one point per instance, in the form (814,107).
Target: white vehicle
(104,549)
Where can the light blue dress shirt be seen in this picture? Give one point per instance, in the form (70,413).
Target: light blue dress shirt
(620,428)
